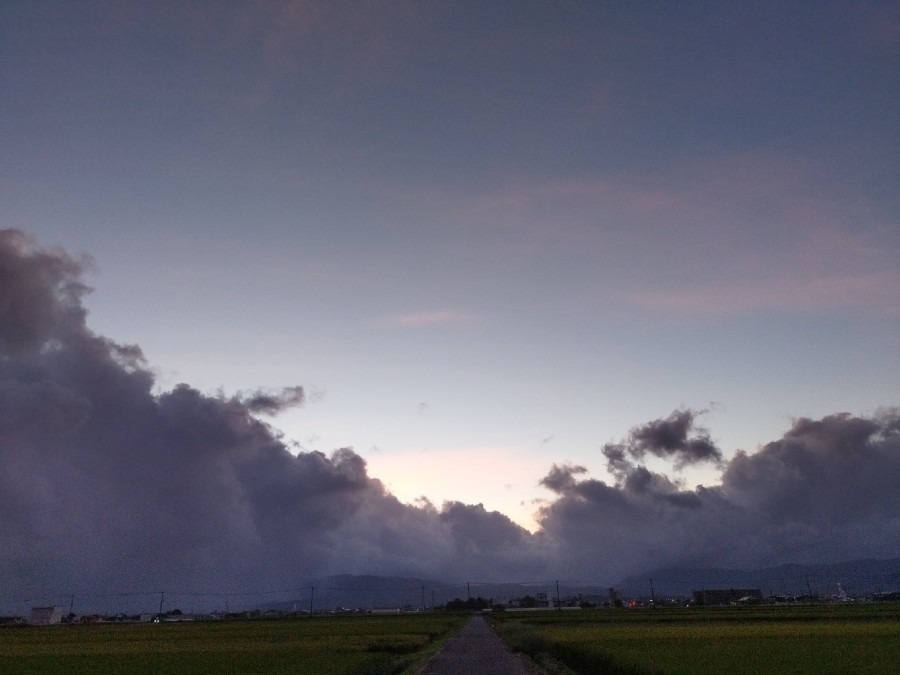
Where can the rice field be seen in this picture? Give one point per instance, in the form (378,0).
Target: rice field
(361,645)
(812,639)
(696,641)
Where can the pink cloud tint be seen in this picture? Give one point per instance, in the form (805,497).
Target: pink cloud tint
(879,291)
(429,318)
(748,232)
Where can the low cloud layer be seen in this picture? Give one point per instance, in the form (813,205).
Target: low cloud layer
(826,491)
(106,485)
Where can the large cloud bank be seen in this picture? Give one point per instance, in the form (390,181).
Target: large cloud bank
(827,491)
(106,484)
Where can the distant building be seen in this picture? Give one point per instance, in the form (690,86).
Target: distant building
(727,596)
(889,596)
(615,599)
(45,616)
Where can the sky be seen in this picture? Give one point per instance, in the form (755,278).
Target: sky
(518,264)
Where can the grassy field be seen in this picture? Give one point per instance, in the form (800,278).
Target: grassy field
(749,640)
(362,645)
(824,639)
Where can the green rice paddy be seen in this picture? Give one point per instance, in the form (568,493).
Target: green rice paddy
(743,640)
(697,641)
(363,645)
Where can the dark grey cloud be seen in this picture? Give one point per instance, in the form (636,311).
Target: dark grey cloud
(39,295)
(826,491)
(273,402)
(108,485)
(677,436)
(562,477)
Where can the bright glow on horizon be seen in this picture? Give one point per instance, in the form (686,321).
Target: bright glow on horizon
(501,479)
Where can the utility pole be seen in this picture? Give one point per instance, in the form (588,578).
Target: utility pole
(808,589)
(312,594)
(558,600)
(652,594)
(71,602)
(162,596)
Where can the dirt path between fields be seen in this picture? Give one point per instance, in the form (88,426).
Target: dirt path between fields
(478,650)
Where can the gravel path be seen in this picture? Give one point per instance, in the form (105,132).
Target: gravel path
(478,650)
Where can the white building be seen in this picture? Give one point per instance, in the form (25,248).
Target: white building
(45,616)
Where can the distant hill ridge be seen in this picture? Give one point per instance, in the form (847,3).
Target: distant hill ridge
(856,577)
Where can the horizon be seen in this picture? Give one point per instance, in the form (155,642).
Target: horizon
(369,591)
(512,290)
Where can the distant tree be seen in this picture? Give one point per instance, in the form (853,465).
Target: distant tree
(470,605)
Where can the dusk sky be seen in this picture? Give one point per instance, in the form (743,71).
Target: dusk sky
(491,241)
